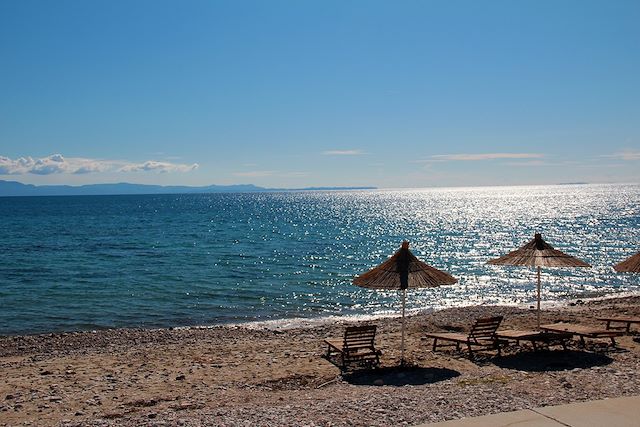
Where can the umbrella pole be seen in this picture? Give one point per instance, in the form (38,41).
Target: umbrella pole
(538,297)
(404,301)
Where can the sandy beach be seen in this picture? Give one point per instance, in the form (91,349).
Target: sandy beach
(228,376)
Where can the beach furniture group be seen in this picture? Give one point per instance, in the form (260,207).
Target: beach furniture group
(403,271)
(485,334)
(356,349)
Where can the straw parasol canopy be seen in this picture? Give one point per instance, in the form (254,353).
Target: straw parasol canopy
(629,265)
(538,253)
(401,272)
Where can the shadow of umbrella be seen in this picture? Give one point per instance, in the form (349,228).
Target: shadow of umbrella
(403,271)
(400,376)
(558,360)
(538,253)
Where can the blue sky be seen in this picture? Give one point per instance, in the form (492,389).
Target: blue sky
(301,93)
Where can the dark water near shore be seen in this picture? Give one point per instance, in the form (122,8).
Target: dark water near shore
(72,263)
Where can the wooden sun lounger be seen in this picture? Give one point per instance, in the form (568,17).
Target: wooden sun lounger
(583,331)
(627,321)
(482,334)
(536,338)
(357,347)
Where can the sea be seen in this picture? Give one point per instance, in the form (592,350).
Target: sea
(75,263)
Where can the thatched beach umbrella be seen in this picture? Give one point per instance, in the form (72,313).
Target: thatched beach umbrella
(538,253)
(403,271)
(629,265)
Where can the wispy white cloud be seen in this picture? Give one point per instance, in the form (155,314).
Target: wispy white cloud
(628,155)
(485,156)
(535,163)
(558,163)
(343,152)
(58,164)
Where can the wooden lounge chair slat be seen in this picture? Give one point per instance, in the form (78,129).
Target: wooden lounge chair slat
(583,331)
(627,321)
(536,338)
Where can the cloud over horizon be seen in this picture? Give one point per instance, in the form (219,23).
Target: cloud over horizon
(161,167)
(58,164)
(485,156)
(628,155)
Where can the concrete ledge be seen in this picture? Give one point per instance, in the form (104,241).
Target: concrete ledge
(523,418)
(619,412)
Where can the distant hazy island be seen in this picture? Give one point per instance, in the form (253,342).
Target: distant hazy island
(14,188)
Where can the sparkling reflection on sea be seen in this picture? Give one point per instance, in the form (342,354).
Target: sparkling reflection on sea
(72,263)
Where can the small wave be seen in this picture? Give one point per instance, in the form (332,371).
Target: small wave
(305,322)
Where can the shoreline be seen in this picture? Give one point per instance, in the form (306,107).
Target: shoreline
(312,322)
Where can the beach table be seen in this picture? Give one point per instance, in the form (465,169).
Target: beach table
(583,331)
(536,338)
(626,321)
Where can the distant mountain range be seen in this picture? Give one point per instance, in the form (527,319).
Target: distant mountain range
(13,188)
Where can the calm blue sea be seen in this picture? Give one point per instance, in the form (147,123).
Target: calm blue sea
(77,263)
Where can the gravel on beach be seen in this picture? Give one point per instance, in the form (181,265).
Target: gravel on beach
(257,376)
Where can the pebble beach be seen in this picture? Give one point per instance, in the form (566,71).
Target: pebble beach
(253,375)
